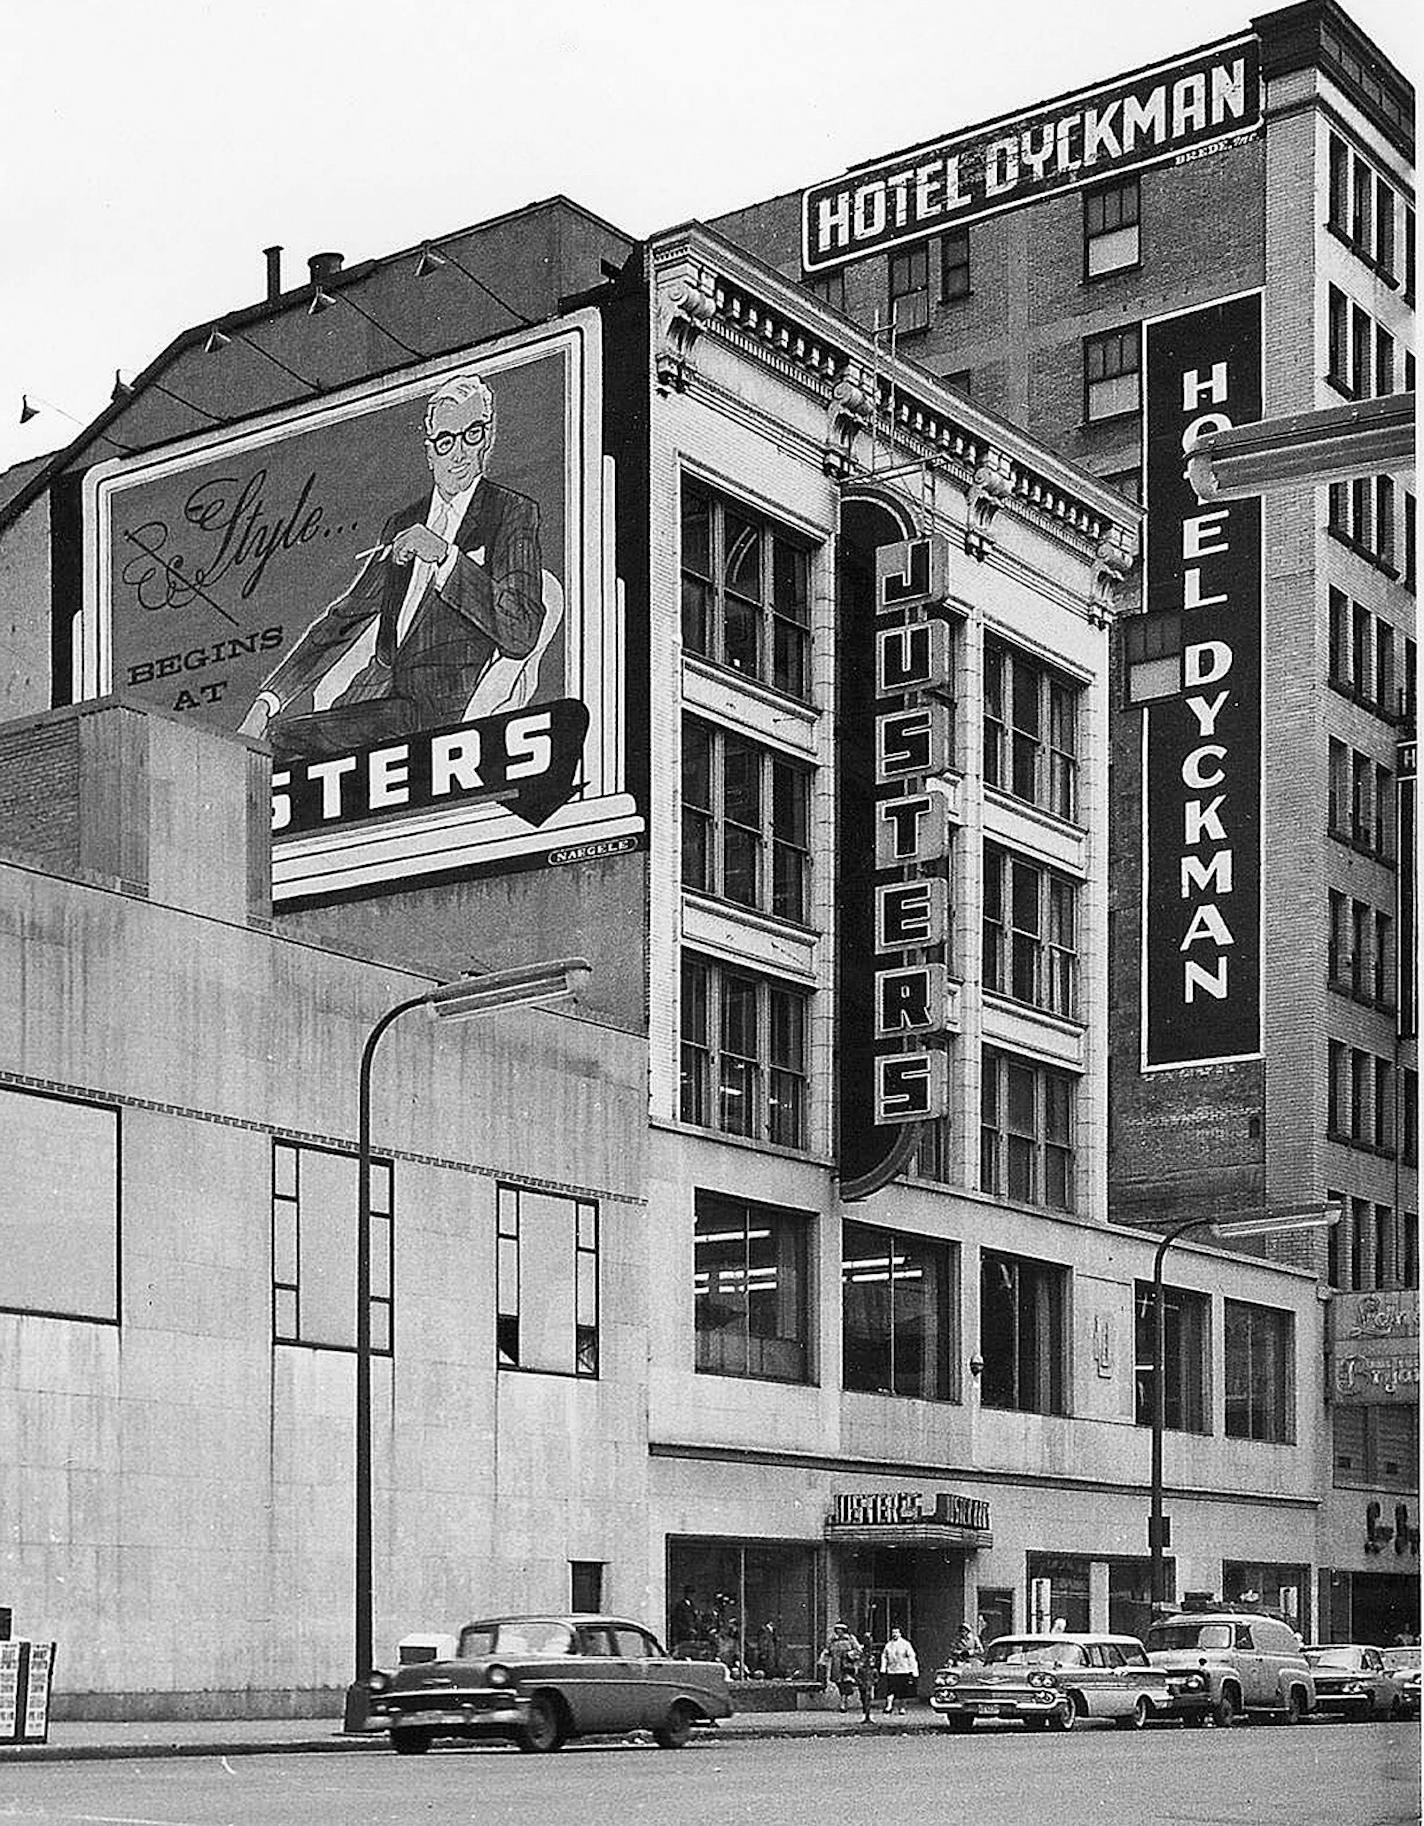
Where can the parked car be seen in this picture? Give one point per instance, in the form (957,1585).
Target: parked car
(1250,1664)
(1354,1681)
(1051,1682)
(539,1681)
(1403,1663)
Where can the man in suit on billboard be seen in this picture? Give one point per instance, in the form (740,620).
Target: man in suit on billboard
(455,587)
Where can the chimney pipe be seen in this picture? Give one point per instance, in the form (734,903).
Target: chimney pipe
(324,266)
(274,273)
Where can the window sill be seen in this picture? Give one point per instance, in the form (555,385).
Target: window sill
(756,688)
(781,1382)
(1113,272)
(679,1125)
(1338,384)
(1069,1025)
(1361,849)
(1118,420)
(1343,688)
(1381,272)
(1363,553)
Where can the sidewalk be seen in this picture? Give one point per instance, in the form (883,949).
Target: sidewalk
(99,1742)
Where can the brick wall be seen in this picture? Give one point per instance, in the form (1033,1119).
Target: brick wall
(39,793)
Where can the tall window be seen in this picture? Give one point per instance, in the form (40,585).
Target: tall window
(1026,1140)
(1184,1396)
(1258,1349)
(910,288)
(1021,1333)
(1030,730)
(744,1065)
(746,600)
(1030,922)
(546,1282)
(749,1289)
(955,265)
(1111,232)
(899,1313)
(829,287)
(1111,372)
(314,1198)
(744,822)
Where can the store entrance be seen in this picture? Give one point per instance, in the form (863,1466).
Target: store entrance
(880,1610)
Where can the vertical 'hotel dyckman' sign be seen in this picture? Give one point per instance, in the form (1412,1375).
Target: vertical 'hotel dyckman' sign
(1201,745)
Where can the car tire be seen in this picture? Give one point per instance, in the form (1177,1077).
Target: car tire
(959,1723)
(1136,1719)
(1225,1710)
(410,1743)
(677,1731)
(1066,1719)
(1295,1708)
(543,1728)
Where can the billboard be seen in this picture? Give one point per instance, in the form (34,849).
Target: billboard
(1201,731)
(408,590)
(1171,111)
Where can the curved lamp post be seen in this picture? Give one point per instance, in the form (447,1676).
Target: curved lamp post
(527,986)
(1256,1223)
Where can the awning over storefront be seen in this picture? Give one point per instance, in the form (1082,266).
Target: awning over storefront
(909,1518)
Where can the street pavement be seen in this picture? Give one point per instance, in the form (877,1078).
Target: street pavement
(814,1770)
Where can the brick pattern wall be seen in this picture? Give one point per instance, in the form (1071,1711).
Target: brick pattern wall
(39,793)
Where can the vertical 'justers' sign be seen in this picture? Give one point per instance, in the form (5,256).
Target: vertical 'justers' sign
(1201,761)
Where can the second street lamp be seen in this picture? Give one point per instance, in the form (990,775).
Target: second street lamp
(1254,1223)
(526,986)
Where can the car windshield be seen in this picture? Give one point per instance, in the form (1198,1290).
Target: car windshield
(1333,1657)
(1182,1634)
(1006,1652)
(1400,1657)
(529,1636)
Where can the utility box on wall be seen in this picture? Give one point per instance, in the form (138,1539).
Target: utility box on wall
(26,1674)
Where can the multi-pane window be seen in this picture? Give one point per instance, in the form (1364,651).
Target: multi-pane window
(1112,365)
(899,1310)
(1360,1101)
(746,592)
(910,288)
(749,1289)
(829,287)
(1258,1351)
(1361,208)
(1362,515)
(1360,809)
(1362,656)
(744,1065)
(1030,932)
(1030,730)
(1021,1333)
(1185,1333)
(314,1200)
(1111,228)
(954,265)
(744,822)
(1360,352)
(1375,1446)
(1026,1136)
(1360,951)
(546,1282)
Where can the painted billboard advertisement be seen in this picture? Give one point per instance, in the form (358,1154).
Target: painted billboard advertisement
(408,591)
(1201,737)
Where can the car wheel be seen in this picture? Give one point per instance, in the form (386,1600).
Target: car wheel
(1224,1712)
(543,1728)
(960,1722)
(410,1743)
(1136,1719)
(675,1733)
(1067,1718)
(1295,1708)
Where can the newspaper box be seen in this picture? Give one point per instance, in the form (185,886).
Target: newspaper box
(26,1671)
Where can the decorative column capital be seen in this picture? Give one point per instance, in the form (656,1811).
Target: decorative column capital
(687,303)
(992,485)
(1114,557)
(851,408)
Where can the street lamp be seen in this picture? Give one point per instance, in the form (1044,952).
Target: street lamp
(1255,1223)
(526,986)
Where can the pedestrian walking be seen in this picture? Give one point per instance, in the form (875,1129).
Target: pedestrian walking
(840,1660)
(865,1678)
(901,1667)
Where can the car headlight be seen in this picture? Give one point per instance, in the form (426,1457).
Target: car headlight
(1192,1684)
(946,1680)
(1357,1686)
(497,1676)
(377,1682)
(1040,1680)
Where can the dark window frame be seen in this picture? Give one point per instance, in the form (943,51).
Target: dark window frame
(287,1250)
(717,845)
(1118,354)
(903,1248)
(770,1085)
(1025,1362)
(1038,1149)
(1110,209)
(1265,1416)
(769,611)
(756,1356)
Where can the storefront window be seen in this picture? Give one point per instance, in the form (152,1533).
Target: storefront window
(1130,1595)
(1282,1589)
(749,1604)
(1057,1592)
(749,1289)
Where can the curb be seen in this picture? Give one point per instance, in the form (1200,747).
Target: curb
(290,1746)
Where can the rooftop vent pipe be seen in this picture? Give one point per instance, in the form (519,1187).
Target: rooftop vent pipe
(324,267)
(274,273)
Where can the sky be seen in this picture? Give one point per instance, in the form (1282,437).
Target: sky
(150,149)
